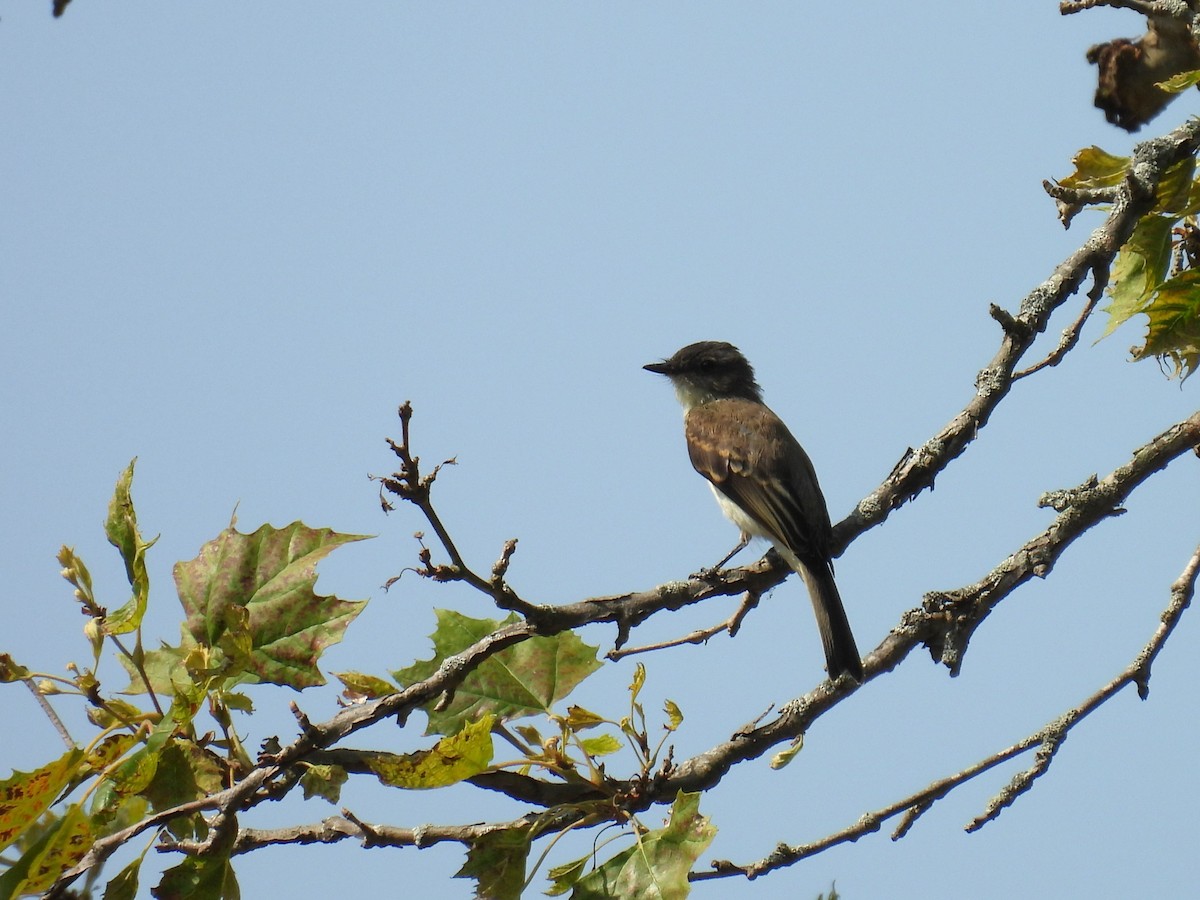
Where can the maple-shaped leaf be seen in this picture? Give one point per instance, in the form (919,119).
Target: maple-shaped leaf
(323,781)
(1096,168)
(184,771)
(657,865)
(1174,333)
(125,885)
(497,863)
(453,759)
(208,877)
(253,594)
(1139,267)
(521,680)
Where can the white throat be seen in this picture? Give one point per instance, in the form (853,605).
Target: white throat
(690,395)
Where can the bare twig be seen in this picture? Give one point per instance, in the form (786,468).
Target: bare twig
(732,624)
(1071,201)
(1070,335)
(50,713)
(410,485)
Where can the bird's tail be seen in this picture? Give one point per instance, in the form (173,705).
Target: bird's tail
(841,653)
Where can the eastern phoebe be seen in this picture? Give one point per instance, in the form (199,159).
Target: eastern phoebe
(762,479)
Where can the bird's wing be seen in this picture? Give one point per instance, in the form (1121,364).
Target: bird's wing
(749,455)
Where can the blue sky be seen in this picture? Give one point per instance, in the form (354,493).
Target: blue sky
(236,236)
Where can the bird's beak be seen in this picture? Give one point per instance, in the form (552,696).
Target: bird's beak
(658,368)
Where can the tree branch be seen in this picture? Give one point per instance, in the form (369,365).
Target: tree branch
(1132,200)
(1047,741)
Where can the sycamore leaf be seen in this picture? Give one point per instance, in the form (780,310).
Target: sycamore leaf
(497,863)
(579,719)
(602,745)
(185,771)
(122,531)
(1174,190)
(26,795)
(109,751)
(657,866)
(522,680)
(164,667)
(565,875)
(133,773)
(451,760)
(531,735)
(11,670)
(124,886)
(269,576)
(1174,334)
(63,845)
(1094,168)
(111,810)
(323,781)
(1140,266)
(1179,83)
(674,715)
(369,687)
(199,878)
(639,681)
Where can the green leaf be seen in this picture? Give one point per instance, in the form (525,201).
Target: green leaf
(238,701)
(63,845)
(449,761)
(111,810)
(122,531)
(270,575)
(532,736)
(1174,334)
(359,685)
(657,866)
(24,796)
(639,681)
(580,719)
(602,745)
(124,886)
(1174,190)
(11,670)
(783,757)
(1139,267)
(199,878)
(185,771)
(164,667)
(522,680)
(674,715)
(109,751)
(565,876)
(323,781)
(497,863)
(1094,168)
(135,772)
(1177,84)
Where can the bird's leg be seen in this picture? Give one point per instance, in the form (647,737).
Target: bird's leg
(709,571)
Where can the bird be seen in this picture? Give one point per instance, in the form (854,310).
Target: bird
(762,479)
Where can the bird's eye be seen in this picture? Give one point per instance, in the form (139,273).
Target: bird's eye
(707,363)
